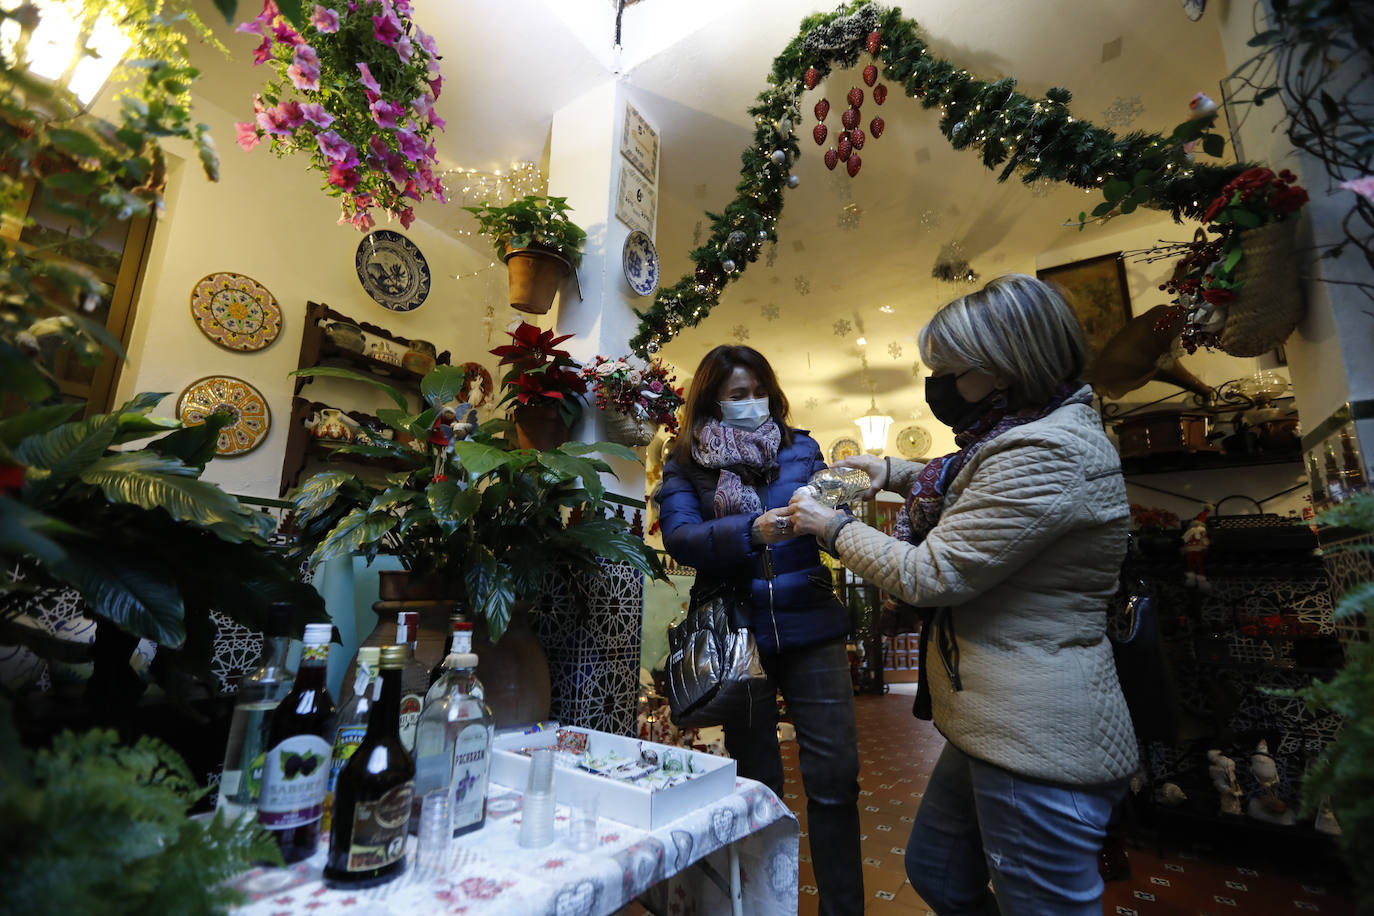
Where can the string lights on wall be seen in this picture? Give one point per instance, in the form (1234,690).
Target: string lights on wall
(500,187)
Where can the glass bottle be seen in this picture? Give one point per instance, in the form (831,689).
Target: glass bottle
(1314,477)
(351,724)
(367,846)
(1335,488)
(462,645)
(259,692)
(838,486)
(454,621)
(453,747)
(414,677)
(1352,470)
(296,771)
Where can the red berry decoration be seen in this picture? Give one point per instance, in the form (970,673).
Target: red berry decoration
(819,132)
(870,74)
(822,109)
(856,97)
(879,94)
(812,77)
(857,138)
(853,165)
(876,127)
(875,38)
(832,158)
(850,118)
(845,148)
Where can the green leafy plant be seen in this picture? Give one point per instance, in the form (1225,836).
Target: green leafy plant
(97,827)
(484,520)
(533,221)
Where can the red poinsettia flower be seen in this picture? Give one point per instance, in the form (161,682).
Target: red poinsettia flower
(11,478)
(1288,200)
(1218,296)
(1215,207)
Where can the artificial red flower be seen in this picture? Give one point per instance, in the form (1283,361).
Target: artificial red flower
(1218,296)
(1215,207)
(1288,200)
(11,478)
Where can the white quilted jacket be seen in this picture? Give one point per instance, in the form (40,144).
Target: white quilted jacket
(1026,554)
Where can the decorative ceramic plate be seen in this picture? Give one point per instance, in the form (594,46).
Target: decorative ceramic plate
(249,422)
(844,447)
(914,442)
(479,384)
(235,311)
(641,263)
(392,270)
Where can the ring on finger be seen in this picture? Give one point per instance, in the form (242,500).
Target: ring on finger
(782,521)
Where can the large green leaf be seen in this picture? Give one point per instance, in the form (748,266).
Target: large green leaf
(151,481)
(134,591)
(605,449)
(32,422)
(416,424)
(20,377)
(195,445)
(453,505)
(67,450)
(319,492)
(479,459)
(142,402)
(392,497)
(355,529)
(574,469)
(491,589)
(443,384)
(133,427)
(335,372)
(24,531)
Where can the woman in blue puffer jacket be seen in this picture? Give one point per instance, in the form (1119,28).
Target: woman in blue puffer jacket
(723,508)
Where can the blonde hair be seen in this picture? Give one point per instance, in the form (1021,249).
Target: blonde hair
(1016,327)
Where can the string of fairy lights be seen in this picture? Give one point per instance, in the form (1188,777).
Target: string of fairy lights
(474,187)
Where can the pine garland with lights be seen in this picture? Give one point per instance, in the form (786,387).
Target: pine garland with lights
(1035,138)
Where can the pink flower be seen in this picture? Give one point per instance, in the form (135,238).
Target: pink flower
(305,69)
(426,41)
(314,113)
(259,25)
(407,217)
(385,113)
(262,52)
(343,178)
(412,147)
(1361,186)
(402,7)
(247,134)
(282,120)
(284,33)
(367,79)
(324,20)
(435,85)
(386,28)
(334,147)
(411,190)
(398,169)
(362,221)
(404,48)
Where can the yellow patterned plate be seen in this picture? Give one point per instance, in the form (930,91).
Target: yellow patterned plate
(914,442)
(250,420)
(235,311)
(844,447)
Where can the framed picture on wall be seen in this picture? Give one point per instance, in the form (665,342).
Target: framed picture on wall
(1096,289)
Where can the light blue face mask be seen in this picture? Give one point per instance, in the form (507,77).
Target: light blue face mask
(748,414)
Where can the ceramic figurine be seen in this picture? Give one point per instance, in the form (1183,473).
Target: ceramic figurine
(1199,106)
(1194,550)
(382,351)
(329,423)
(1266,805)
(345,336)
(1326,819)
(453,421)
(1170,795)
(419,358)
(1222,770)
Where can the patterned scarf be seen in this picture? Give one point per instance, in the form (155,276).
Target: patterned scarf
(927,499)
(744,458)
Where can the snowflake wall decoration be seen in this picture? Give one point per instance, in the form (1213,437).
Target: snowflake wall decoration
(842,186)
(696,235)
(770,311)
(1041,187)
(803,285)
(1122,112)
(770,257)
(895,349)
(849,217)
(741,333)
(930,219)
(842,327)
(812,403)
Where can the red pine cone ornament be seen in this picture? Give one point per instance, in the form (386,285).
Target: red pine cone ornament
(875,39)
(876,127)
(853,165)
(822,109)
(850,118)
(845,148)
(832,158)
(856,97)
(819,132)
(812,77)
(857,138)
(870,74)
(879,94)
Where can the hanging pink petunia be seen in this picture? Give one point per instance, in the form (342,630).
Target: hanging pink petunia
(305,68)
(324,20)
(315,113)
(367,79)
(334,147)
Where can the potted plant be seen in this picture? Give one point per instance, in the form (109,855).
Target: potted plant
(473,518)
(539,244)
(636,397)
(543,386)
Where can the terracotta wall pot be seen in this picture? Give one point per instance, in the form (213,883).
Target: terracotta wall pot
(540,426)
(514,671)
(535,276)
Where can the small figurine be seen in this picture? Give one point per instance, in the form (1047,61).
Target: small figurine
(1267,806)
(1199,106)
(1194,550)
(1170,795)
(1222,770)
(1326,819)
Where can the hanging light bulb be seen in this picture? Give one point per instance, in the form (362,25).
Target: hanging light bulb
(873,427)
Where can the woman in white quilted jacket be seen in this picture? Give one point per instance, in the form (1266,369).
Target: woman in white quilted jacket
(1011,546)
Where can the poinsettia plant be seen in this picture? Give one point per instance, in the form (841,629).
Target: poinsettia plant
(636,388)
(540,373)
(355,92)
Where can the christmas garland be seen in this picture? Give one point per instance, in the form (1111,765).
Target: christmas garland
(1037,138)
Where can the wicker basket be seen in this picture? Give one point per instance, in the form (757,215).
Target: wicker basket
(1269,304)
(623,429)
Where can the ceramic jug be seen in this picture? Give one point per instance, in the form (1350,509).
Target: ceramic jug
(419,358)
(345,336)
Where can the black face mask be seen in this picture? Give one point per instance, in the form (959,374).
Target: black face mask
(949,406)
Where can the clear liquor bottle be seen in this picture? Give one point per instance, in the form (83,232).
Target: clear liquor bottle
(259,692)
(367,846)
(414,677)
(296,771)
(351,725)
(461,645)
(453,749)
(454,620)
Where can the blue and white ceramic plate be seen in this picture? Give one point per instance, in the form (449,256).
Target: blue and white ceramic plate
(641,263)
(844,447)
(392,270)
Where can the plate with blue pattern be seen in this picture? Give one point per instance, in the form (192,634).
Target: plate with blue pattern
(392,270)
(641,263)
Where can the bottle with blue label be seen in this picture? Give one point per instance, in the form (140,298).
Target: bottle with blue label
(453,747)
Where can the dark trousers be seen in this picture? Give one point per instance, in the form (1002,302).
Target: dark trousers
(816,685)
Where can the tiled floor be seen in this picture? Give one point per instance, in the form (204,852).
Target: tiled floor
(897,753)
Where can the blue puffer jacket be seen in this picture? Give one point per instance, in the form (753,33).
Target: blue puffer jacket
(797,607)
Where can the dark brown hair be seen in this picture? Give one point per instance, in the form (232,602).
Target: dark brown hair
(702,405)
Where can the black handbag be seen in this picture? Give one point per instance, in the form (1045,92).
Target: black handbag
(1142,665)
(714,671)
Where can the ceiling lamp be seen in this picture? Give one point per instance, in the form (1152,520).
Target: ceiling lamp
(873,427)
(67,47)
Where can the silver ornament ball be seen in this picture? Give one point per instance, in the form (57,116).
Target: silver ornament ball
(779,156)
(793,180)
(729,265)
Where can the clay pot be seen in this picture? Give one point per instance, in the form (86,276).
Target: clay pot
(346,336)
(536,276)
(419,358)
(540,426)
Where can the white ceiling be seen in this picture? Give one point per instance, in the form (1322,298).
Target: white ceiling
(509,65)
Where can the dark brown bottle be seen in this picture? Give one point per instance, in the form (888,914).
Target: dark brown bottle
(296,769)
(372,797)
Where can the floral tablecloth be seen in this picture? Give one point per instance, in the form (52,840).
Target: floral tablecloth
(488,872)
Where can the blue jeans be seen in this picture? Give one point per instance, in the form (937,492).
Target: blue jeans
(1037,841)
(815,683)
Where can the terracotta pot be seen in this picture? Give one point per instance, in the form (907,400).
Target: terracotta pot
(536,276)
(540,426)
(514,671)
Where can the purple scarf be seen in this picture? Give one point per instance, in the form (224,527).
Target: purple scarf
(927,499)
(738,454)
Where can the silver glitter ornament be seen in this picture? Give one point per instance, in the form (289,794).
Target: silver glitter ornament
(779,156)
(793,180)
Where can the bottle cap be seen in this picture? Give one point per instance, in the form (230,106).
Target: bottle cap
(369,656)
(462,626)
(461,660)
(318,634)
(394,657)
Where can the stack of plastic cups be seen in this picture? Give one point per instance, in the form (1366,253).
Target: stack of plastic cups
(436,830)
(536,823)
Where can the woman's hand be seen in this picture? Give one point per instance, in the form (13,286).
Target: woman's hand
(774,526)
(808,515)
(871,465)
